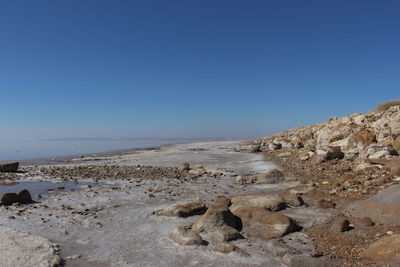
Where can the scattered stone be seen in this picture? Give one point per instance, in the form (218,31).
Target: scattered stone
(183,209)
(273,202)
(185,237)
(271,177)
(9,166)
(258,222)
(326,204)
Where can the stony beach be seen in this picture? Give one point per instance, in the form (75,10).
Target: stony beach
(321,195)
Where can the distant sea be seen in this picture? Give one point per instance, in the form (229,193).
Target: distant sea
(51,148)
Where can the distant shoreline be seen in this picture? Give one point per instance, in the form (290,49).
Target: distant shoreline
(68,158)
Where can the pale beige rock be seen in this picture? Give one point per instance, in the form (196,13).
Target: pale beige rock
(183,209)
(22,249)
(185,237)
(273,202)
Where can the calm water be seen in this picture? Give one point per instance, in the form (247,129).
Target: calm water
(25,150)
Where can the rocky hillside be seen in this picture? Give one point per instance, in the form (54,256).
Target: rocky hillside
(361,139)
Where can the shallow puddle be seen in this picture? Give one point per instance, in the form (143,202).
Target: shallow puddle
(41,187)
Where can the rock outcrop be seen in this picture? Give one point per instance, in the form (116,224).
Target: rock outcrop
(357,137)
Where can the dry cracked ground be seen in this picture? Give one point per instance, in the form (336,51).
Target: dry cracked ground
(149,209)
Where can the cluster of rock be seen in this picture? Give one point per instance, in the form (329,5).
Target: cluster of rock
(120,172)
(227,219)
(23,197)
(360,138)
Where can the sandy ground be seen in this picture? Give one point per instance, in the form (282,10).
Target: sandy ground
(111,224)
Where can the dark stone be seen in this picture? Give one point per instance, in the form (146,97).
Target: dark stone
(9,167)
(326,204)
(24,197)
(9,198)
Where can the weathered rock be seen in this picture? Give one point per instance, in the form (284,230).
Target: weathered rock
(9,166)
(183,209)
(273,202)
(394,125)
(364,137)
(9,198)
(24,197)
(258,222)
(222,200)
(326,204)
(294,201)
(274,146)
(22,249)
(396,144)
(385,250)
(184,236)
(216,216)
(334,152)
(271,177)
(185,167)
(341,225)
(223,234)
(318,157)
(225,247)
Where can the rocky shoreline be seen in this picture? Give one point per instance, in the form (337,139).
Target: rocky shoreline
(329,198)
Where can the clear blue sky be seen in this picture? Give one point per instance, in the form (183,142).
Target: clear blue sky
(95,68)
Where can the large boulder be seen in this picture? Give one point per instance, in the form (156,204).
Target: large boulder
(183,209)
(22,249)
(217,215)
(271,177)
(258,222)
(9,166)
(8,199)
(273,202)
(386,250)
